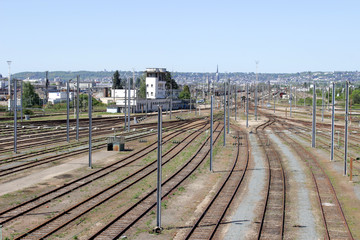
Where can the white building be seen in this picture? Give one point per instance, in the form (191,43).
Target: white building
(155,84)
(57,97)
(120,93)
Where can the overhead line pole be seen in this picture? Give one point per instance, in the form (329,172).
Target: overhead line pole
(159,171)
(90,127)
(247,105)
(346,125)
(67,110)
(224,112)
(211,134)
(129,110)
(313,139)
(77,106)
(228,108)
(15,115)
(332,121)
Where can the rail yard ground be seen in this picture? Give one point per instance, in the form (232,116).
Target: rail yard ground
(267,181)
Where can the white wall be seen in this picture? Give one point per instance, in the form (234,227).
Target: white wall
(155,88)
(120,93)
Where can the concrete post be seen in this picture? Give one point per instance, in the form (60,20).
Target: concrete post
(159,171)
(332,121)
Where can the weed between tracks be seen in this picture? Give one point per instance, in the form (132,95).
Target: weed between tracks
(175,208)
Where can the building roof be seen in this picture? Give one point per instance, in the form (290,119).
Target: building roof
(155,69)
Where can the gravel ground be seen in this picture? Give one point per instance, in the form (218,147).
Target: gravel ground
(46,174)
(337,165)
(243,219)
(305,217)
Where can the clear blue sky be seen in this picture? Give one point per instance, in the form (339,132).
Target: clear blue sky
(285,36)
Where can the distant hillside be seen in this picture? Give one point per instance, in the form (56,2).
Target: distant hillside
(195,77)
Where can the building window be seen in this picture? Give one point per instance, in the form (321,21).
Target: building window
(147,93)
(147,85)
(152,93)
(151,85)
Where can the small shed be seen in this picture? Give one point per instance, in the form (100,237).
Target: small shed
(116,143)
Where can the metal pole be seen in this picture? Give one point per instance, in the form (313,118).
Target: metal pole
(295,97)
(346,125)
(274,102)
(129,110)
(159,170)
(90,127)
(171,101)
(269,92)
(224,113)
(46,86)
(211,134)
(322,105)
(332,121)
(255,100)
(290,101)
(15,115)
(9,83)
(313,139)
(247,105)
(228,109)
(77,107)
(67,111)
(125,109)
(190,102)
(235,101)
(21,100)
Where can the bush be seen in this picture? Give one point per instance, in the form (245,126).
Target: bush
(28,112)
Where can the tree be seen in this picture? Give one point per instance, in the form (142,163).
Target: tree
(170,83)
(117,83)
(355,96)
(142,90)
(185,93)
(30,97)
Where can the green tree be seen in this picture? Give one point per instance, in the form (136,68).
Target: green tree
(117,83)
(142,90)
(185,93)
(170,82)
(30,97)
(355,96)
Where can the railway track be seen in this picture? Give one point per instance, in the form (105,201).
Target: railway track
(333,217)
(74,212)
(338,153)
(31,164)
(273,214)
(124,221)
(208,223)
